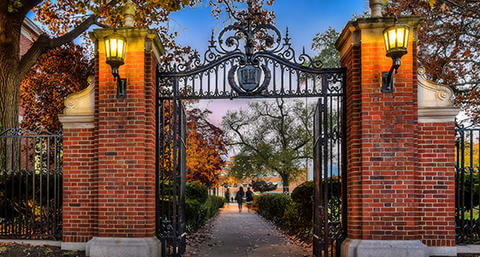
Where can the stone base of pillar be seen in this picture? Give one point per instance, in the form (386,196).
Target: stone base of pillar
(382,248)
(123,247)
(392,248)
(68,246)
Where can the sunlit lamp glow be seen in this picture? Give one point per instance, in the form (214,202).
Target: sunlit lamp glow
(115,46)
(396,44)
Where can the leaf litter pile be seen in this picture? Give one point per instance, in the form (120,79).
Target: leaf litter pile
(17,250)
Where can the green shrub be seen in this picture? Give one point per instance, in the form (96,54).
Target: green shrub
(272,206)
(199,206)
(467,185)
(193,217)
(293,214)
(303,197)
(263,186)
(196,191)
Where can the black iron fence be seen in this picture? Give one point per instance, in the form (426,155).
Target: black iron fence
(467,188)
(30,185)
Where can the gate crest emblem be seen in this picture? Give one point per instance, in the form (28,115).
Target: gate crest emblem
(249,77)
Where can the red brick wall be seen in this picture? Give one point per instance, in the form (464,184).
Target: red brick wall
(381,145)
(388,140)
(79,171)
(109,170)
(126,184)
(436,151)
(352,61)
(391,195)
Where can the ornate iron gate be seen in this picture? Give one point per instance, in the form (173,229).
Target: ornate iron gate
(467,186)
(266,67)
(329,176)
(170,178)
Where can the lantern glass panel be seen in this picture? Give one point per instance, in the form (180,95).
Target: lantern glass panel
(113,47)
(400,36)
(405,44)
(385,35)
(120,49)
(392,38)
(107,48)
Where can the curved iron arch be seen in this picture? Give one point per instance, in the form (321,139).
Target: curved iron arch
(267,66)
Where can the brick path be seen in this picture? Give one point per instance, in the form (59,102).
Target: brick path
(234,234)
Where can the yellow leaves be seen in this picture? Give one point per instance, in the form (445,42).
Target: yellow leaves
(432,3)
(14,5)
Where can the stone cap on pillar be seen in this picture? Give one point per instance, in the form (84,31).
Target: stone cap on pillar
(137,39)
(79,108)
(435,101)
(365,29)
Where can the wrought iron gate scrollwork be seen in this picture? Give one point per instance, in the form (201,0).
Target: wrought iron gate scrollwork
(171,177)
(250,59)
(330,203)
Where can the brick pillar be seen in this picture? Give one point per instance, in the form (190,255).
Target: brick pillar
(387,188)
(79,169)
(436,164)
(123,180)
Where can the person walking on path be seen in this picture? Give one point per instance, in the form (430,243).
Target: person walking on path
(249,198)
(239,198)
(227,195)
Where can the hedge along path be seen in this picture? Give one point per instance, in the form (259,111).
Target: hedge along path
(245,234)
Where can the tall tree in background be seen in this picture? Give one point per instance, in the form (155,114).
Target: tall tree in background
(324,45)
(58,73)
(205,148)
(68,19)
(449,44)
(272,138)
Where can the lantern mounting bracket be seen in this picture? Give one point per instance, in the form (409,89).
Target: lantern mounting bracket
(121,84)
(387,77)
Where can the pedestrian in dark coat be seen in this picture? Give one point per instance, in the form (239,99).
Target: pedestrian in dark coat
(227,195)
(239,198)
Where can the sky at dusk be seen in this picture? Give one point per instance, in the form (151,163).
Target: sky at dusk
(304,18)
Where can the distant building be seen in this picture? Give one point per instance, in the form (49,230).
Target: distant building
(29,34)
(234,184)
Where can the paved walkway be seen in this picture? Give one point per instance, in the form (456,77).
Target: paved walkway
(234,234)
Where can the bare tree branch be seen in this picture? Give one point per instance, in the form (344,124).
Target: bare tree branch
(45,43)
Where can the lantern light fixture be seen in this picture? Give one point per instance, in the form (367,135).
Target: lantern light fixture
(396,43)
(115,46)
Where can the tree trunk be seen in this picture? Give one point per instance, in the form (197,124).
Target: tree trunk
(10,27)
(286,183)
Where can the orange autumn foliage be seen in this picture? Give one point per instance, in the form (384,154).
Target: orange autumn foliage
(59,72)
(205,148)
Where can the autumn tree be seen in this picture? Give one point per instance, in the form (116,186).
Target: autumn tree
(449,44)
(271,138)
(68,19)
(58,73)
(205,148)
